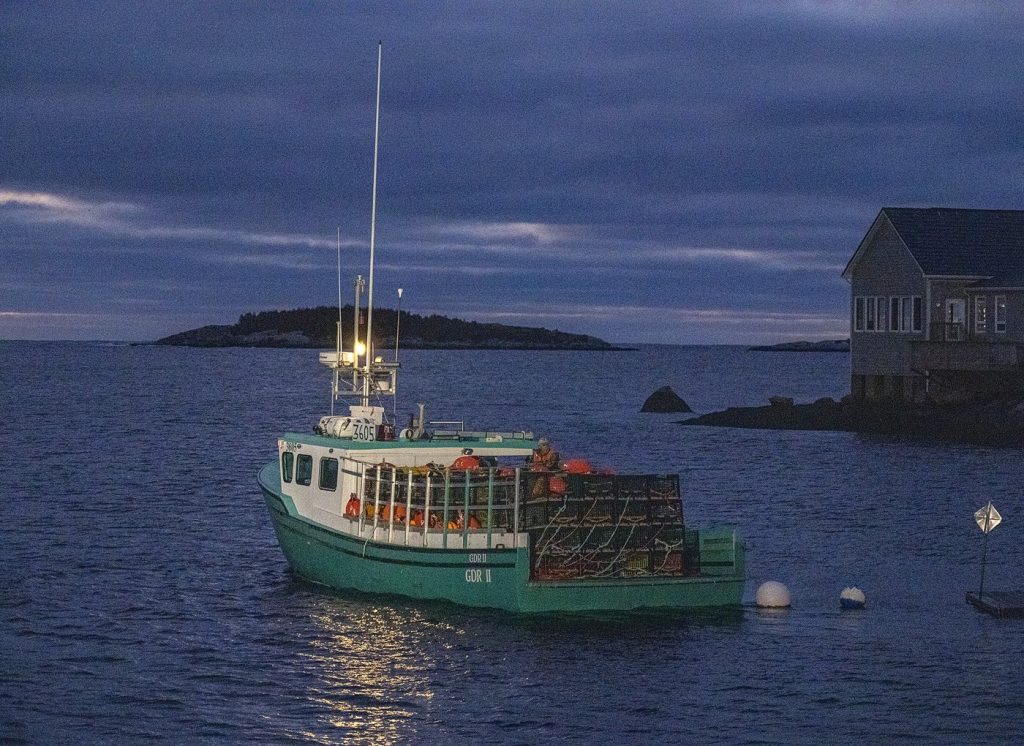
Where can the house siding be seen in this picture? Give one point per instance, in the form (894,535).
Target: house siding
(885,269)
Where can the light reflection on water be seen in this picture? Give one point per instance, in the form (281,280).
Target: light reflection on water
(370,669)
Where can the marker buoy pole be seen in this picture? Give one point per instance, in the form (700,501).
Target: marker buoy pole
(987,519)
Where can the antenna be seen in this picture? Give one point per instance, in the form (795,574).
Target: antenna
(337,367)
(398,325)
(373,231)
(339,294)
(398,322)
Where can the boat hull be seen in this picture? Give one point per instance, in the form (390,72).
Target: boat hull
(495,578)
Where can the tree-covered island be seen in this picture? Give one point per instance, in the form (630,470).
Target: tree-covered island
(317,327)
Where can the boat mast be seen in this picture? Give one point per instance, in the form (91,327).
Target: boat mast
(337,367)
(373,228)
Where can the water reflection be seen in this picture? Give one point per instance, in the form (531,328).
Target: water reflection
(373,666)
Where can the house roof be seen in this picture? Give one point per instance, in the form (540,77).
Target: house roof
(964,243)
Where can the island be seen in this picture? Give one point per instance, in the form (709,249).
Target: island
(317,328)
(827,345)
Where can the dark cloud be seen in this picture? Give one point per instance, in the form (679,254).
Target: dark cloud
(586,166)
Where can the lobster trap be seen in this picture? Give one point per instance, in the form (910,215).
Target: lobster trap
(594,526)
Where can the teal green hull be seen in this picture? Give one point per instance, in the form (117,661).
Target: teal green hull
(496,578)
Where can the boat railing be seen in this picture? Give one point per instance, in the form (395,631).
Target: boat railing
(576,526)
(471,508)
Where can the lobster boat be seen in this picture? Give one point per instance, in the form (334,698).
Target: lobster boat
(435,510)
(457,515)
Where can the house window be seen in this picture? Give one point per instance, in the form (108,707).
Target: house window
(880,313)
(1000,314)
(287,461)
(980,314)
(328,473)
(906,314)
(304,469)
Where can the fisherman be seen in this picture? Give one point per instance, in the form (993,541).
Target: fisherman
(545,459)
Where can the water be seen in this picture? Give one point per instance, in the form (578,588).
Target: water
(143,594)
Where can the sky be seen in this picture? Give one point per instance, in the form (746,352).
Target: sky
(684,173)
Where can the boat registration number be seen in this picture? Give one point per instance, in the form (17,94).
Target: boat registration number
(478,575)
(364,431)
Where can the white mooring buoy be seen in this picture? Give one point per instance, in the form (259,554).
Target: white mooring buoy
(772,595)
(852,598)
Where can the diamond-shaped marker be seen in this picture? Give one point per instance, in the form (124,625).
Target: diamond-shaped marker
(988,517)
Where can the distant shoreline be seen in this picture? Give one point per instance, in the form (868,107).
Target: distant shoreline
(829,345)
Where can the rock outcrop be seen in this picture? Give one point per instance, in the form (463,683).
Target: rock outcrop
(996,422)
(665,400)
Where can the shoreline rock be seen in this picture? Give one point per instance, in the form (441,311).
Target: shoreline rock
(998,422)
(665,400)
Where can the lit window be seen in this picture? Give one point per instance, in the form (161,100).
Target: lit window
(1000,320)
(980,315)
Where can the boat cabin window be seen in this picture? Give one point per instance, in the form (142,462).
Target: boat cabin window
(304,469)
(328,473)
(287,462)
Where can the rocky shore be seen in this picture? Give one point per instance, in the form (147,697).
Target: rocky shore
(995,422)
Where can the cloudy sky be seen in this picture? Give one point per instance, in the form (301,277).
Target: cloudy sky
(647,172)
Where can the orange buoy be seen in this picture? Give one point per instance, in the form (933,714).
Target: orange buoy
(576,466)
(385,513)
(466,463)
(352,507)
(557,486)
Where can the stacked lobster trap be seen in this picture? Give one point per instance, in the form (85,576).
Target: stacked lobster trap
(594,526)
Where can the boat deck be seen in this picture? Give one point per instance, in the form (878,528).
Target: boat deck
(998,603)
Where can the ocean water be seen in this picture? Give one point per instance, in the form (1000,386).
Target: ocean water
(143,596)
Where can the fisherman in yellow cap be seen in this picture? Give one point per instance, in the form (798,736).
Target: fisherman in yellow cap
(545,459)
